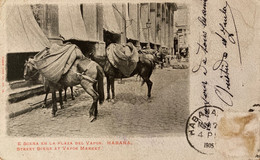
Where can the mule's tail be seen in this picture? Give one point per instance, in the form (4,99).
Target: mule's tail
(153,63)
(150,68)
(100,79)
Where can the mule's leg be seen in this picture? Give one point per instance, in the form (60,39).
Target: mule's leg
(72,94)
(54,103)
(95,87)
(46,96)
(65,94)
(108,88)
(149,85)
(60,96)
(89,88)
(146,73)
(112,82)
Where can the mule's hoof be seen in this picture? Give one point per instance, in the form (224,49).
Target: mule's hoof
(108,99)
(73,98)
(101,102)
(149,99)
(53,114)
(62,107)
(112,101)
(90,114)
(92,119)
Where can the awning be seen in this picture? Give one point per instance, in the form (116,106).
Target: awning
(111,22)
(131,22)
(23,32)
(89,14)
(143,21)
(71,24)
(153,26)
(129,28)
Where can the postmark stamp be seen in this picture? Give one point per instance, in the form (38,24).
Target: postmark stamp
(201,128)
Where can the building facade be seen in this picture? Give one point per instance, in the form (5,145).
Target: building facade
(182,28)
(92,27)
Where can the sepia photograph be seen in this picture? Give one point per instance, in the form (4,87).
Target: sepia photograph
(137,80)
(93,70)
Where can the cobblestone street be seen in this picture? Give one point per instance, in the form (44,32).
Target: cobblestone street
(131,114)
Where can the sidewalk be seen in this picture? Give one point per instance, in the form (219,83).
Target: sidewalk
(177,64)
(37,101)
(27,105)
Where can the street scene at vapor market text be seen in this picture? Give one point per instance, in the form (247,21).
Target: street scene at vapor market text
(93,70)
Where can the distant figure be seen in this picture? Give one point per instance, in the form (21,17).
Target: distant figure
(184,52)
(175,45)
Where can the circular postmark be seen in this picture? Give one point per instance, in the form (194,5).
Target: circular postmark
(201,128)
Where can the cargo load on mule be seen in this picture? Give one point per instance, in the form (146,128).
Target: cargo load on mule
(123,57)
(147,55)
(66,66)
(56,61)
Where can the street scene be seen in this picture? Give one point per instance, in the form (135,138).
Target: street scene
(128,65)
(132,114)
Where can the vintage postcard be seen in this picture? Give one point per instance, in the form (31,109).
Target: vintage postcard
(130,79)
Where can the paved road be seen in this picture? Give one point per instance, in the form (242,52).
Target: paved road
(130,115)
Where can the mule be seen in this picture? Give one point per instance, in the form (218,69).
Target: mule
(85,72)
(47,90)
(144,69)
(35,76)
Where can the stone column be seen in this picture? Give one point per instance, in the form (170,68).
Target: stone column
(100,22)
(123,24)
(100,45)
(138,45)
(149,28)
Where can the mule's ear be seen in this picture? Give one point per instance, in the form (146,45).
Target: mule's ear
(25,63)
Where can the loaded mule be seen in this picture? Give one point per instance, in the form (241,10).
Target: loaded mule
(123,61)
(35,76)
(66,66)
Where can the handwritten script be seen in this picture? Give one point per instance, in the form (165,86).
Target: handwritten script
(202,51)
(227,36)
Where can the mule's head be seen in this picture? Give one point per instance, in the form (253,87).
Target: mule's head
(156,59)
(30,72)
(152,54)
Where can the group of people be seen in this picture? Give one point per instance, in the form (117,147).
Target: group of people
(161,54)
